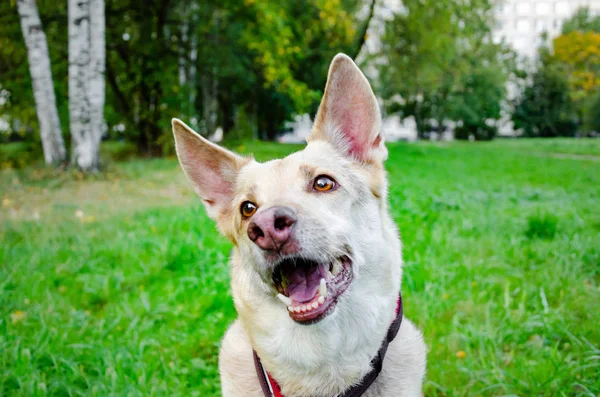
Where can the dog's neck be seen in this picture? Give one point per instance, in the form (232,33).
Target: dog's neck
(326,358)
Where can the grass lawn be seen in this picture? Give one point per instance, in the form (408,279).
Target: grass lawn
(118,284)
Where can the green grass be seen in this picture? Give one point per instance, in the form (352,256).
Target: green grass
(557,146)
(118,284)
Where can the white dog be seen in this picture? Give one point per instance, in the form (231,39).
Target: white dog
(316,264)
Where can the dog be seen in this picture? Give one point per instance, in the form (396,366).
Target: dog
(316,265)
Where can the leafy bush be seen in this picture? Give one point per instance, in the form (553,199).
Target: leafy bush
(19,154)
(118,151)
(479,132)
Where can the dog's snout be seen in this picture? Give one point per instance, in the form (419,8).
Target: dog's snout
(272,228)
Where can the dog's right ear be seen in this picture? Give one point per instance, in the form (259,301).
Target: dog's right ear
(349,116)
(211,169)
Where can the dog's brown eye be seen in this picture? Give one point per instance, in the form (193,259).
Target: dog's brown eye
(323,183)
(248,209)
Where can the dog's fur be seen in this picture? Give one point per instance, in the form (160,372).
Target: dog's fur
(325,358)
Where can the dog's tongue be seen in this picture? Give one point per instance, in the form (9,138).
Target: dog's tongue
(304,282)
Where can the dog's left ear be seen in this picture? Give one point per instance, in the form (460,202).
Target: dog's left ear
(211,169)
(349,116)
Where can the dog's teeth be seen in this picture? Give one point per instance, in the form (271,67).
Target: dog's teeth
(321,300)
(315,305)
(297,309)
(323,288)
(286,301)
(303,308)
(291,309)
(336,268)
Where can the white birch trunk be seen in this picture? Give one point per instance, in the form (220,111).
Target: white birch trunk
(183,56)
(98,64)
(87,57)
(210,104)
(41,80)
(210,89)
(193,58)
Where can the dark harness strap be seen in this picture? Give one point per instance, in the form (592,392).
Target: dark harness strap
(270,388)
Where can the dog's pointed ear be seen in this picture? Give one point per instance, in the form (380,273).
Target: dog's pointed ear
(211,169)
(349,116)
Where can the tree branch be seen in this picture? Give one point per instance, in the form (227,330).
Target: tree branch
(361,35)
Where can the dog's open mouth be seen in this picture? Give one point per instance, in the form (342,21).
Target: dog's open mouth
(310,289)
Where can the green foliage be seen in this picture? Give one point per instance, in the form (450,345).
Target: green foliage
(14,67)
(118,150)
(444,66)
(545,108)
(576,52)
(131,295)
(592,114)
(178,58)
(19,154)
(582,21)
(477,102)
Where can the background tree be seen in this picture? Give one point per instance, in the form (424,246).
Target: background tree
(253,64)
(245,66)
(592,120)
(86,81)
(18,107)
(577,51)
(439,52)
(477,102)
(545,108)
(582,21)
(42,83)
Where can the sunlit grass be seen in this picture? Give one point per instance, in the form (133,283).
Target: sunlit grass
(118,284)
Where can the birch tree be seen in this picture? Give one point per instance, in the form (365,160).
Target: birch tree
(41,80)
(87,60)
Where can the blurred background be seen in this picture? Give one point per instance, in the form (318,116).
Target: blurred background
(114,281)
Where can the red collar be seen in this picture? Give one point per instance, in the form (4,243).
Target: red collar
(270,387)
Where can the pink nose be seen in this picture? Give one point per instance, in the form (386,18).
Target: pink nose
(272,228)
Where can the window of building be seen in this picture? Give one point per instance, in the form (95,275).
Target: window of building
(542,8)
(523,8)
(562,8)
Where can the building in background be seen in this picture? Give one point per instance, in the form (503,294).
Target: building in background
(521,23)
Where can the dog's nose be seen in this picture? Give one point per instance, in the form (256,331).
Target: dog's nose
(272,228)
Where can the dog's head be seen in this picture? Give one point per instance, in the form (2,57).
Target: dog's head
(313,227)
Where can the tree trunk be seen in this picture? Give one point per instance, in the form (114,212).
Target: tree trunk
(192,69)
(210,106)
(210,86)
(183,56)
(41,79)
(87,60)
(98,65)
